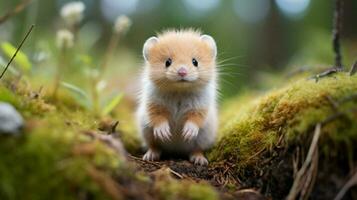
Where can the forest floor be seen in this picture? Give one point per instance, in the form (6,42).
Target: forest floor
(298,140)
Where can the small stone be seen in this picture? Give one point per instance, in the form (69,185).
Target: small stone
(11,121)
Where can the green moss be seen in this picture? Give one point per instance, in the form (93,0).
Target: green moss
(129,133)
(54,159)
(289,112)
(50,159)
(169,188)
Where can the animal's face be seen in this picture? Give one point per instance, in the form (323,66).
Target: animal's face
(180,60)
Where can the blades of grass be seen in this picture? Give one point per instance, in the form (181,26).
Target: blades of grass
(10,69)
(112,104)
(21,58)
(79,94)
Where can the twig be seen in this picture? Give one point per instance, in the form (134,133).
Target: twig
(328,72)
(113,127)
(17,50)
(336,33)
(304,179)
(256,154)
(353,69)
(351,182)
(18,8)
(178,175)
(156,164)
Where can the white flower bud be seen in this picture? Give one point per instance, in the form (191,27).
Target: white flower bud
(122,24)
(101,85)
(65,39)
(72,12)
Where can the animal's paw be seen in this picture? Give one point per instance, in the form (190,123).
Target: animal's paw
(162,131)
(198,159)
(151,155)
(190,131)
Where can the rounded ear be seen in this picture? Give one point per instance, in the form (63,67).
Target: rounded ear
(147,45)
(210,41)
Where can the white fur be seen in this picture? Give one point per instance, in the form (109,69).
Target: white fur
(162,131)
(190,131)
(179,103)
(151,155)
(209,39)
(198,159)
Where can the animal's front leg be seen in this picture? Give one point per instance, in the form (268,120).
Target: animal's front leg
(193,122)
(159,120)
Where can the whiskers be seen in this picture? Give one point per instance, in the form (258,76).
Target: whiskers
(229,70)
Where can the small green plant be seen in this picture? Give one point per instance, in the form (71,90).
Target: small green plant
(105,104)
(93,99)
(21,59)
(65,41)
(121,26)
(72,15)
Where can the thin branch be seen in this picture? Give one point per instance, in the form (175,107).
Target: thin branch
(350,183)
(326,73)
(17,50)
(336,32)
(304,179)
(18,8)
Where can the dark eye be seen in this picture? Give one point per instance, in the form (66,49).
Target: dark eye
(168,62)
(194,62)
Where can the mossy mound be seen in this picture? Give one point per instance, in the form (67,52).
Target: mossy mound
(265,129)
(52,159)
(57,156)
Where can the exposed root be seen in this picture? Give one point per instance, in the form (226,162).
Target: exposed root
(350,183)
(305,177)
(112,142)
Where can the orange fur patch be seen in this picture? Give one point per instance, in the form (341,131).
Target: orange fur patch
(196,116)
(197,152)
(157,114)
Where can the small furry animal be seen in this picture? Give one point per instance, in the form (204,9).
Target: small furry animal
(177,110)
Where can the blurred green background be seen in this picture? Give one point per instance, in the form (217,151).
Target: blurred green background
(254,37)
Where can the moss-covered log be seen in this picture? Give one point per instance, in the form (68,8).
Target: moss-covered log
(264,134)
